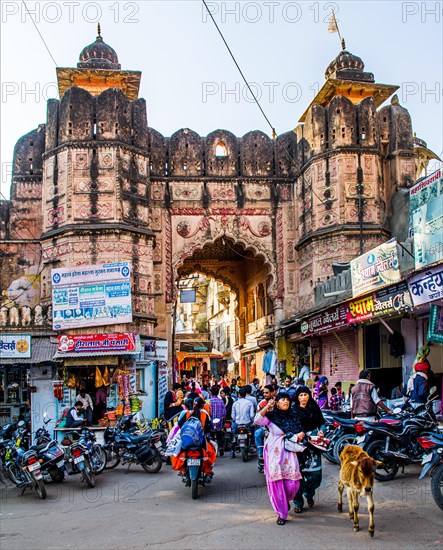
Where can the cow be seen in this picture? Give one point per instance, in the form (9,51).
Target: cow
(357,475)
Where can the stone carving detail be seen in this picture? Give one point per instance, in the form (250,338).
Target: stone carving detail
(26,316)
(106,159)
(285,193)
(223,193)
(81,160)
(38,315)
(56,215)
(84,211)
(13,316)
(186,192)
(258,192)
(157,192)
(157,283)
(3,316)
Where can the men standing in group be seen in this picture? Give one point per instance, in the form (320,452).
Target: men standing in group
(218,412)
(242,413)
(365,399)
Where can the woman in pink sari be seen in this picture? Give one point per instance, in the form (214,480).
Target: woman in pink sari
(281,466)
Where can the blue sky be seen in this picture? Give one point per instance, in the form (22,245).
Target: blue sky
(188,78)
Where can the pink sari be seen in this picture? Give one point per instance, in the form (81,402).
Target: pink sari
(281,468)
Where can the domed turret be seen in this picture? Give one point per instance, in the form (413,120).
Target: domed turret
(345,61)
(99,55)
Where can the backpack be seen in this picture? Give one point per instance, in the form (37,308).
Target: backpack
(192,433)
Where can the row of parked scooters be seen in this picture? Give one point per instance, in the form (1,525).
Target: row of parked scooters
(30,466)
(411,436)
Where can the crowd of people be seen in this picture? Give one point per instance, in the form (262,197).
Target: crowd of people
(281,418)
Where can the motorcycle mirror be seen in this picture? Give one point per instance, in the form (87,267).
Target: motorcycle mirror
(216,421)
(397,410)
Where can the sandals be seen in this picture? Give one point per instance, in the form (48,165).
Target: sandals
(280,521)
(298,510)
(310,502)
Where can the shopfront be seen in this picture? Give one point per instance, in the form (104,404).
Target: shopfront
(117,370)
(20,355)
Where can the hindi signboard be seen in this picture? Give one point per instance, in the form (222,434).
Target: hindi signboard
(119,342)
(88,296)
(15,346)
(332,318)
(385,301)
(427,286)
(376,268)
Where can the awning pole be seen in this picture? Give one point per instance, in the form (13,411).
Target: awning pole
(346,349)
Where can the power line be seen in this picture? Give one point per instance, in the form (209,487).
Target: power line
(39,33)
(239,70)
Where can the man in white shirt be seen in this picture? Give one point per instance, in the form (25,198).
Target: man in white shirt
(251,398)
(242,414)
(86,401)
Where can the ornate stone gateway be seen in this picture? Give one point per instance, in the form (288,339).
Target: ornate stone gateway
(267,217)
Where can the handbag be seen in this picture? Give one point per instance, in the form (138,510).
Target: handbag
(292,445)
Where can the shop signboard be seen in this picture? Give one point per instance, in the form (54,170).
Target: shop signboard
(376,268)
(423,192)
(162,385)
(15,346)
(385,301)
(332,318)
(427,286)
(426,220)
(87,296)
(119,342)
(435,327)
(156,350)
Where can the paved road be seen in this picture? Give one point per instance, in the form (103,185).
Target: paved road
(140,510)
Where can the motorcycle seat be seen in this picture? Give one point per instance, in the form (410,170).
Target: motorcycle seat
(346,421)
(384,426)
(138,438)
(38,448)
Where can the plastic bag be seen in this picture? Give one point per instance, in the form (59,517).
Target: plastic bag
(174,442)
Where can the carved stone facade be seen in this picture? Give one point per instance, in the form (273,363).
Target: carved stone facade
(95,184)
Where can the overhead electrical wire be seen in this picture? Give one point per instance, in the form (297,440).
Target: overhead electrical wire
(274,133)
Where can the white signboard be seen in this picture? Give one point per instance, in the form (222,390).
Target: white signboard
(377,268)
(156,350)
(89,296)
(17,346)
(427,286)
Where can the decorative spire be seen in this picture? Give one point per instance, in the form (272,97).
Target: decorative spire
(99,36)
(343,45)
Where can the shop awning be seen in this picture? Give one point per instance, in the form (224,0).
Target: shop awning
(182,355)
(42,350)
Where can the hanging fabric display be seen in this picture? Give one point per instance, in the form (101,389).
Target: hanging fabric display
(57,386)
(106,377)
(98,378)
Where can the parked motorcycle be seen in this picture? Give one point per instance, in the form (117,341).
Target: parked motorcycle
(77,462)
(23,467)
(50,454)
(122,445)
(96,453)
(395,444)
(432,462)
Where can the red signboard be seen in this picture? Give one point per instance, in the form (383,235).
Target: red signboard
(387,301)
(98,343)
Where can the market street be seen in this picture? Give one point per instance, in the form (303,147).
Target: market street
(139,510)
